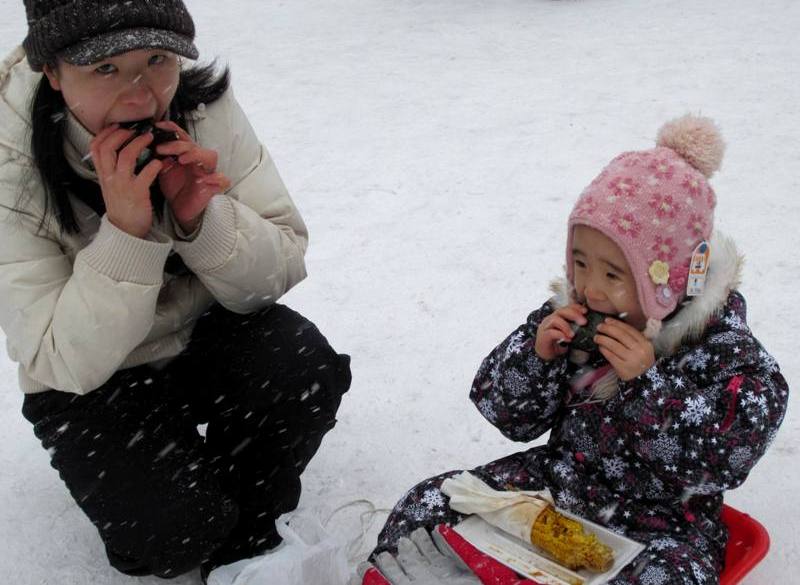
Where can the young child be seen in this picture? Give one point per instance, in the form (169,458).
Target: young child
(138,293)
(680,400)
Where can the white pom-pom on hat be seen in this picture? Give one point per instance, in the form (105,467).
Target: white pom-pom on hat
(696,139)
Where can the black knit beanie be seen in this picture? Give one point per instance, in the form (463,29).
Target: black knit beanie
(83,32)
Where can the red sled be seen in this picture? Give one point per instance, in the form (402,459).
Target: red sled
(747,546)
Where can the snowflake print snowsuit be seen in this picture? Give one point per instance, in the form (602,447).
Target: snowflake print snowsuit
(651,462)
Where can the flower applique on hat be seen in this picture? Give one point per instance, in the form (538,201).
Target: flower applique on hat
(658,207)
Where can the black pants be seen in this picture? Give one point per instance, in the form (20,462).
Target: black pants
(163,498)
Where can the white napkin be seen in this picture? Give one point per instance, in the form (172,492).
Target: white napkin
(512,512)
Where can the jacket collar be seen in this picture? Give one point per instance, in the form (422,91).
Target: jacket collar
(76,147)
(689,323)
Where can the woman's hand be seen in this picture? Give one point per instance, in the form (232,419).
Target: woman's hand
(189,179)
(126,195)
(557,327)
(628,351)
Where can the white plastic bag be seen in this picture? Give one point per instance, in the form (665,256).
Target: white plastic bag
(308,555)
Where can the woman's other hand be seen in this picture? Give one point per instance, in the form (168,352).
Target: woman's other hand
(188,179)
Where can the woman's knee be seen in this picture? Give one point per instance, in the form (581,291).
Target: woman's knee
(276,350)
(292,364)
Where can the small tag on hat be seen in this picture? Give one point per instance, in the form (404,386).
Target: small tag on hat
(698,270)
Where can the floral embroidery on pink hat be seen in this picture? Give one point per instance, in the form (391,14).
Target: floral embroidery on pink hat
(631,159)
(623,186)
(626,224)
(697,224)
(587,206)
(664,248)
(678,279)
(662,168)
(692,185)
(664,205)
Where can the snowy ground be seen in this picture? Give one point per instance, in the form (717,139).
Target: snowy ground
(435,148)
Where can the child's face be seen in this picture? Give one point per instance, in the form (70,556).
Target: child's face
(131,86)
(602,277)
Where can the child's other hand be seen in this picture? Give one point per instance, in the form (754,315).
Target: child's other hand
(628,351)
(557,326)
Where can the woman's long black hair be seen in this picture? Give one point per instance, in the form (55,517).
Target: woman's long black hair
(198,85)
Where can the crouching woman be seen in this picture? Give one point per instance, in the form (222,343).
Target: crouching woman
(138,287)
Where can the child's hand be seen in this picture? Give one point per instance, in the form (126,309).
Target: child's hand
(628,351)
(557,327)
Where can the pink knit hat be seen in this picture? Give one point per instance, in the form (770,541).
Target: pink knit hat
(657,206)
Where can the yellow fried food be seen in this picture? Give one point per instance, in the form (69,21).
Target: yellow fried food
(569,544)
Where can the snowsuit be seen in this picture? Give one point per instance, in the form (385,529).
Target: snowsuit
(125,345)
(653,461)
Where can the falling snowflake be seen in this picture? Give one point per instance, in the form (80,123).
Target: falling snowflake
(606,512)
(703,488)
(523,430)
(695,410)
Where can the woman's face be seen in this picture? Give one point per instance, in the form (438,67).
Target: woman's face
(131,86)
(602,277)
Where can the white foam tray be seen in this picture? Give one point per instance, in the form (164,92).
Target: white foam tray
(532,562)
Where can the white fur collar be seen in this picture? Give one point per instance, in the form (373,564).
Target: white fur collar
(724,275)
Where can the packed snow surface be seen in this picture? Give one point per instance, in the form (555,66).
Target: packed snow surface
(435,149)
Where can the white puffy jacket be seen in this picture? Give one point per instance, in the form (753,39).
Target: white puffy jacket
(77,308)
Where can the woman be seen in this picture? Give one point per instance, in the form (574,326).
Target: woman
(138,288)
